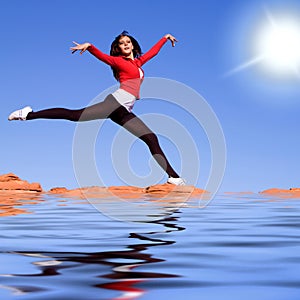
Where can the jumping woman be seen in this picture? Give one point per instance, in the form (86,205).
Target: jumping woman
(126,60)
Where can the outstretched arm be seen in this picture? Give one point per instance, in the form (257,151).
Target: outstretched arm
(156,48)
(110,60)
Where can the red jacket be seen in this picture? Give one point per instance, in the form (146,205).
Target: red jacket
(129,75)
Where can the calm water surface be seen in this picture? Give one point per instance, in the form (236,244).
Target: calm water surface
(238,247)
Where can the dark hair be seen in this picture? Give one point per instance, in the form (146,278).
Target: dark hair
(115,50)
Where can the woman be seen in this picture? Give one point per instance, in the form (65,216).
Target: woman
(126,60)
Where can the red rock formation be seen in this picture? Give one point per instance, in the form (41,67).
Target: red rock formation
(12,182)
(158,188)
(14,193)
(129,192)
(282,193)
(58,190)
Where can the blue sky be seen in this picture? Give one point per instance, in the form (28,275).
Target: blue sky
(259,113)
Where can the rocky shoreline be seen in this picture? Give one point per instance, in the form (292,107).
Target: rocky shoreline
(15,192)
(12,184)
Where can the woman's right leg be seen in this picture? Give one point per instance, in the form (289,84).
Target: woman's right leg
(138,128)
(97,111)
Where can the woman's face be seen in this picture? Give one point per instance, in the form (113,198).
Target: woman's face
(125,45)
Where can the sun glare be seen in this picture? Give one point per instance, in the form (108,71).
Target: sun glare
(276,47)
(278,43)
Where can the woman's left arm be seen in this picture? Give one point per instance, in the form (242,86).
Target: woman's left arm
(156,48)
(171,38)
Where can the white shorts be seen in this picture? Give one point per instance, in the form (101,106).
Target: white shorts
(124,98)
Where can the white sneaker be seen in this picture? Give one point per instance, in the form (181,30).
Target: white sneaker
(20,114)
(176,181)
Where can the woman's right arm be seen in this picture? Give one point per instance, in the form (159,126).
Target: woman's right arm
(108,59)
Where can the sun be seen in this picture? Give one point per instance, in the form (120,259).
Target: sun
(276,47)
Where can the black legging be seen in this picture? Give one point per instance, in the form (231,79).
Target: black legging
(110,108)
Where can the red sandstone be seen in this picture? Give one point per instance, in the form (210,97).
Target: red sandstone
(12,182)
(128,192)
(16,192)
(282,193)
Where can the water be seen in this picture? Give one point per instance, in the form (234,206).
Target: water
(238,247)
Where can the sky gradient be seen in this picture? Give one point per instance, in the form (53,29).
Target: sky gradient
(258,112)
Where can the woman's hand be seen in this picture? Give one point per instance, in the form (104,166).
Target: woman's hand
(81,47)
(171,38)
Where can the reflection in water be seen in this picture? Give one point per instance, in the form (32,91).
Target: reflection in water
(10,201)
(123,276)
(237,248)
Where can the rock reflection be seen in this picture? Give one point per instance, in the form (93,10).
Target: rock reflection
(123,275)
(11,201)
